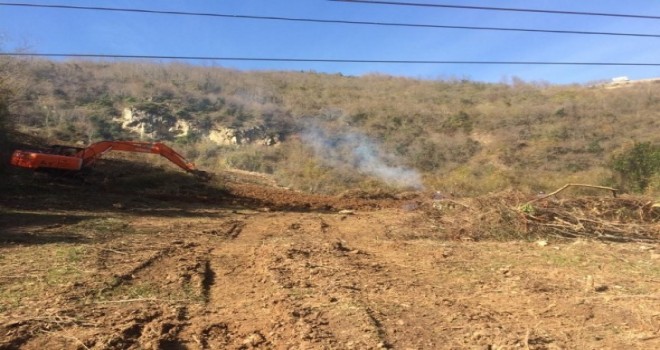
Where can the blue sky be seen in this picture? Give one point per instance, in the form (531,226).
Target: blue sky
(74,31)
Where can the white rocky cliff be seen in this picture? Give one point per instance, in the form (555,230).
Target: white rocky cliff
(159,126)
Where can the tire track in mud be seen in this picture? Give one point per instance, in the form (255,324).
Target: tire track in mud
(186,259)
(256,283)
(256,311)
(320,278)
(236,316)
(208,280)
(144,264)
(33,332)
(405,294)
(357,285)
(241,287)
(180,275)
(333,296)
(229,230)
(175,279)
(199,269)
(187,274)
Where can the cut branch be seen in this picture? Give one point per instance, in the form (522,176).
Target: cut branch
(614,191)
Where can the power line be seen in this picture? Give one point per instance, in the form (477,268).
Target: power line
(327,21)
(487,8)
(325,60)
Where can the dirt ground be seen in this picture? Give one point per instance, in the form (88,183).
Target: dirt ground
(269,268)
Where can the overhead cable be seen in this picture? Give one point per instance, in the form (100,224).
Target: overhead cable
(324,60)
(488,8)
(328,21)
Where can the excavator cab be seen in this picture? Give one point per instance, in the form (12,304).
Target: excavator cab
(65,150)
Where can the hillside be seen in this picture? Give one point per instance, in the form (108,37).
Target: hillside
(328,133)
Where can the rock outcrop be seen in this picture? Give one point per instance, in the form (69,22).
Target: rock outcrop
(256,135)
(157,122)
(152,125)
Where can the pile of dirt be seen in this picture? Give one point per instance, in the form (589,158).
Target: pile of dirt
(286,199)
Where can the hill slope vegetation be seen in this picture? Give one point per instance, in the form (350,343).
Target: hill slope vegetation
(337,132)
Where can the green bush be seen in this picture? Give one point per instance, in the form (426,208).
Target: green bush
(459,121)
(637,166)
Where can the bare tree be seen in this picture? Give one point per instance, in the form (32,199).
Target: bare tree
(12,83)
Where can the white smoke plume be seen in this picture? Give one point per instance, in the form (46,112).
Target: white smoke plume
(353,150)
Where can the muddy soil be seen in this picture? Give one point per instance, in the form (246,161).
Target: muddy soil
(269,268)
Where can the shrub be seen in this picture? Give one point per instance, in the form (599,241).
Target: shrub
(249,159)
(637,166)
(459,121)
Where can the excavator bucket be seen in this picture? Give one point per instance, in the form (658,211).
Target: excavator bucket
(202,175)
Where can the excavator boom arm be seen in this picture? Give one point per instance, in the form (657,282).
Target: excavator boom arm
(94,151)
(85,157)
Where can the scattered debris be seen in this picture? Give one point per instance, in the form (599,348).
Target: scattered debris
(601,288)
(541,242)
(589,284)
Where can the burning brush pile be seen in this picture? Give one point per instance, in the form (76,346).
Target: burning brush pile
(511,214)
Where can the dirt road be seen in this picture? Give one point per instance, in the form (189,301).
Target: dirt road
(136,273)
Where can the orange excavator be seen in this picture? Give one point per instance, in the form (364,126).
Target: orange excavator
(66,158)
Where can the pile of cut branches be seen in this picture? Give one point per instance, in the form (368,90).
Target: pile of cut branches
(502,216)
(614,219)
(493,216)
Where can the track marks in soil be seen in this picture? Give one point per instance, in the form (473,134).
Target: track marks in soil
(129,332)
(215,336)
(208,280)
(148,327)
(180,271)
(150,304)
(182,277)
(378,325)
(274,280)
(228,230)
(130,274)
(15,335)
(326,298)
